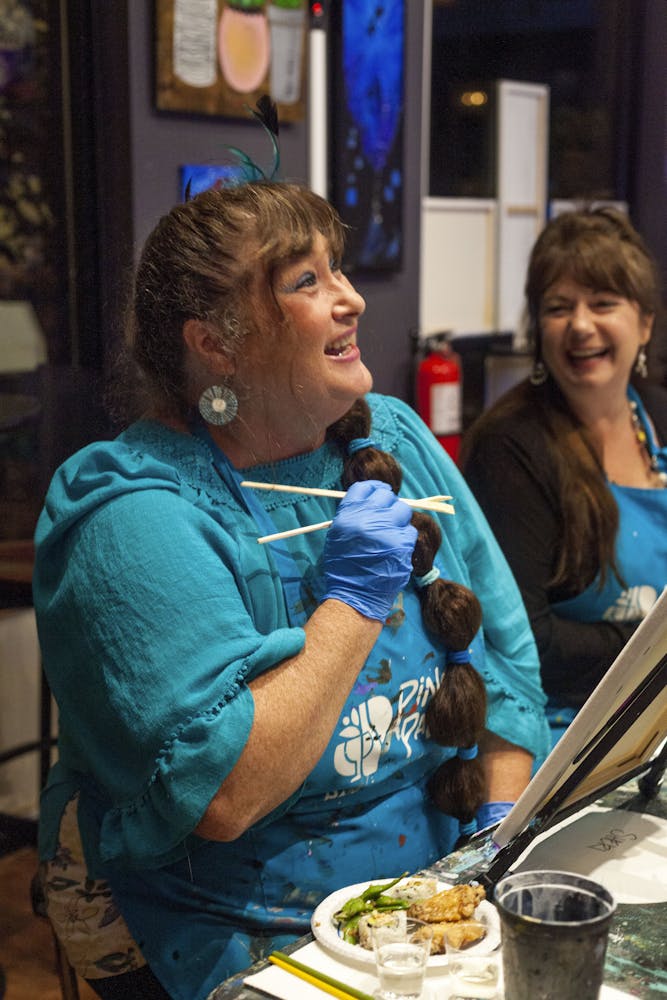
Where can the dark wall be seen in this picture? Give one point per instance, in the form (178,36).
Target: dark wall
(143,148)
(650,176)
(160,142)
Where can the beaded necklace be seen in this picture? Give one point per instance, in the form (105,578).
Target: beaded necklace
(658,477)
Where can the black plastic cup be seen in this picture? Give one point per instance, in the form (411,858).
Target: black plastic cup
(554,928)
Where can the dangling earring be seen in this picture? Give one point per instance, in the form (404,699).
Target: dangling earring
(640,364)
(218,405)
(539,374)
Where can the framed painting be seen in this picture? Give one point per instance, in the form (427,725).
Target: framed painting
(197,177)
(218,57)
(366,129)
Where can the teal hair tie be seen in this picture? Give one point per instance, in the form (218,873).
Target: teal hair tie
(430,577)
(467,753)
(356,444)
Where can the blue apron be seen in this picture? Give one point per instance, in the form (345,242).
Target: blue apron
(641,553)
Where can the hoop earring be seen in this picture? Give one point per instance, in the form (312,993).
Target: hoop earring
(640,364)
(539,374)
(218,405)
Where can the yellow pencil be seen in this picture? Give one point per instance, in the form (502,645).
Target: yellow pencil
(323,982)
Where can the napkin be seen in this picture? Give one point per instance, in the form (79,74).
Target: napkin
(279,983)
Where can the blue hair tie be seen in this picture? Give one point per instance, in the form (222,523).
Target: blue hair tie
(430,577)
(467,753)
(458,656)
(356,444)
(467,828)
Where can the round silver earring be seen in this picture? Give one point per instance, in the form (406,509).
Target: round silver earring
(539,374)
(218,405)
(640,364)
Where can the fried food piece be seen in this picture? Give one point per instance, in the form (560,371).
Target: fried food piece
(457,903)
(458,933)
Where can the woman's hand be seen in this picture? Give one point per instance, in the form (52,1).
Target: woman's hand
(368,551)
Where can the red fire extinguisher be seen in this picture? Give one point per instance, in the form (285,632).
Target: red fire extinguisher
(439,393)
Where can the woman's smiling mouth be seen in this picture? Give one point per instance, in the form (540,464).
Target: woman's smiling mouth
(589,354)
(340,347)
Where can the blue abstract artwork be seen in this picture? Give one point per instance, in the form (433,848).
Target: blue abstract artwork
(367,112)
(196,177)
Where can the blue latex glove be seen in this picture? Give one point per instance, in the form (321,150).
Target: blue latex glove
(491,813)
(368,552)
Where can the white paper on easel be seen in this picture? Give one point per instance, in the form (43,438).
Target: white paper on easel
(623,850)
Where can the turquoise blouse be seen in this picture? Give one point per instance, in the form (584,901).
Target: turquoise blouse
(155,608)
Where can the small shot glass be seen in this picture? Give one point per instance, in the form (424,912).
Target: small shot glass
(402,950)
(474,970)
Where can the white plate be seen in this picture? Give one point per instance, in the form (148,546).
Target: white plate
(328,933)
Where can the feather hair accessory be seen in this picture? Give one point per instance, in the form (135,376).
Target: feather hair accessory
(266,114)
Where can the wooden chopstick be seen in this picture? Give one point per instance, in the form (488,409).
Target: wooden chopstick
(313,491)
(323,982)
(436,504)
(427,503)
(294,531)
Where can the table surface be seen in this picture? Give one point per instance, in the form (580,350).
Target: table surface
(636,961)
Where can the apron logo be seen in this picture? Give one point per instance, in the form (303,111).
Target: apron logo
(631,604)
(364,731)
(369,727)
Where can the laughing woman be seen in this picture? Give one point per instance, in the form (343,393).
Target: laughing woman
(246,727)
(570,466)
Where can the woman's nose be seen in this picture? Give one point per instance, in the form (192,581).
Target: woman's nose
(581,318)
(349,299)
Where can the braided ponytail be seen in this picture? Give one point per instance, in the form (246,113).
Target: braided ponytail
(456,714)
(362,459)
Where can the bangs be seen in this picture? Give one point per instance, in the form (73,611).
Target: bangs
(597,249)
(603,265)
(287,225)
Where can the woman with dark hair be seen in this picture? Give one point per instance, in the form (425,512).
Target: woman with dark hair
(246,726)
(570,465)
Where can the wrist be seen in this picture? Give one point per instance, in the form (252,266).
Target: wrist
(491,813)
(377,611)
